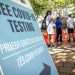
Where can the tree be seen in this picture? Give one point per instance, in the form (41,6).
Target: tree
(39,5)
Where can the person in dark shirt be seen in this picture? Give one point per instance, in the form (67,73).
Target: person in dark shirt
(58,24)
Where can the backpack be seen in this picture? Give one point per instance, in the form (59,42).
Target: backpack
(44,27)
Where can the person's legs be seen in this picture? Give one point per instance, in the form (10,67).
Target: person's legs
(57,35)
(72,34)
(69,33)
(71,37)
(60,30)
(49,37)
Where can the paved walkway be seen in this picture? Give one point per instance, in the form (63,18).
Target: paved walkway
(64,59)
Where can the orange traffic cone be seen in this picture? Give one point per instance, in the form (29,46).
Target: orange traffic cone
(53,38)
(45,34)
(65,36)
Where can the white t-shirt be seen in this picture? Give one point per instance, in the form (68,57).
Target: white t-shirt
(50,28)
(70,22)
(48,18)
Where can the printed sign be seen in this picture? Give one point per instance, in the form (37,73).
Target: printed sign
(22,50)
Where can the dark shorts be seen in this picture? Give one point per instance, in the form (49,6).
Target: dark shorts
(70,30)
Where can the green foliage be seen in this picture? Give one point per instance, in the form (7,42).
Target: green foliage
(40,6)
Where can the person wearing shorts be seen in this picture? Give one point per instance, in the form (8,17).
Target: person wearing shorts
(51,30)
(70,26)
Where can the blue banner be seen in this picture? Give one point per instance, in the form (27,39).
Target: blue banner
(22,50)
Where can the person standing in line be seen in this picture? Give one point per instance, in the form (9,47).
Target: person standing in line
(70,27)
(48,17)
(51,31)
(58,24)
(48,20)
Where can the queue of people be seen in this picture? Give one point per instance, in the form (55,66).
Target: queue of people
(56,26)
